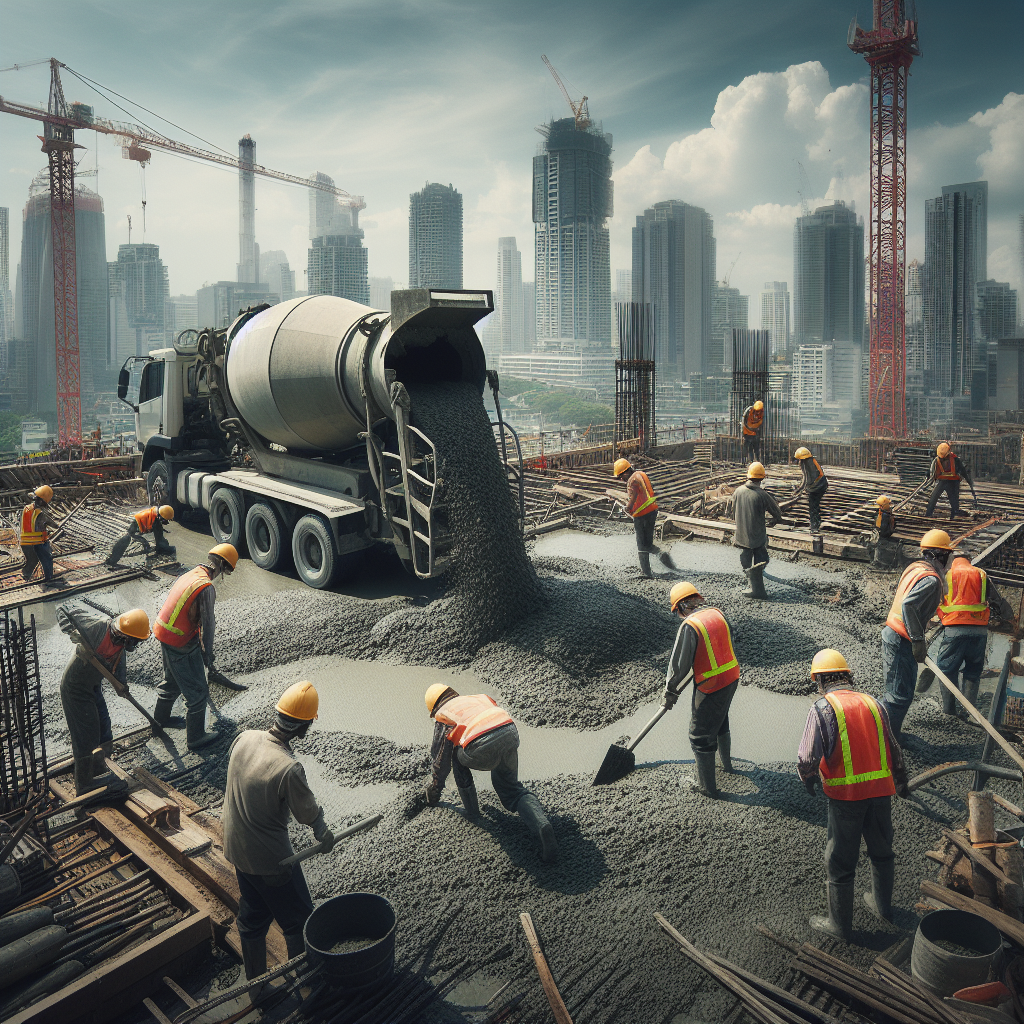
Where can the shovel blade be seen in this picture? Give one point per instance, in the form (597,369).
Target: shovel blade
(617,763)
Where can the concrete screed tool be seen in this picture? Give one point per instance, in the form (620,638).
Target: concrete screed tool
(312,851)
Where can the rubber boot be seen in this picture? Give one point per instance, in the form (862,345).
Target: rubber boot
(195,730)
(86,781)
(118,550)
(163,548)
(645,562)
(99,758)
(470,801)
(536,821)
(294,944)
(162,713)
(896,715)
(949,703)
(704,770)
(254,963)
(755,588)
(839,923)
(879,900)
(725,751)
(970,691)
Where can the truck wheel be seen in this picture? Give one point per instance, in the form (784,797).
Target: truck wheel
(316,559)
(158,484)
(267,538)
(227,518)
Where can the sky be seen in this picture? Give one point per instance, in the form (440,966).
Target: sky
(714,102)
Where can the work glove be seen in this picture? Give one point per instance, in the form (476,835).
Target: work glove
(920,649)
(433,794)
(903,790)
(322,834)
(669,698)
(809,784)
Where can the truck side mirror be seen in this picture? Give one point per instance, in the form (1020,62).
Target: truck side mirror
(123,379)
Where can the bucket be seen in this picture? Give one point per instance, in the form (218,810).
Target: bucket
(943,972)
(354,915)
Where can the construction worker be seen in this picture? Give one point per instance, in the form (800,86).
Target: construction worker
(751,503)
(753,423)
(472,733)
(642,506)
(815,483)
(265,787)
(704,649)
(81,696)
(146,520)
(880,546)
(850,748)
(918,595)
(185,628)
(947,470)
(36,522)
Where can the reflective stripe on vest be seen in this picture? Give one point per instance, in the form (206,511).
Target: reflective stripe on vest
(752,423)
(146,518)
(714,664)
(29,534)
(857,714)
(174,625)
(470,717)
(914,573)
(944,473)
(645,482)
(965,603)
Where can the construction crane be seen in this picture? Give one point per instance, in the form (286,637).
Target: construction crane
(732,267)
(804,190)
(58,139)
(889,48)
(579,110)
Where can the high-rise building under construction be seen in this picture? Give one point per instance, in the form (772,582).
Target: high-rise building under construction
(138,291)
(435,237)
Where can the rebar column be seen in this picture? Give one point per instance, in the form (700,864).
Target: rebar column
(635,377)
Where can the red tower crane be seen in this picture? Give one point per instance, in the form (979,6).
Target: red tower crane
(889,48)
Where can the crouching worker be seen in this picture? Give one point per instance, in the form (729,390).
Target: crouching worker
(472,732)
(147,520)
(265,787)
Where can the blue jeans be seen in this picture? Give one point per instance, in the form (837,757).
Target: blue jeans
(497,752)
(966,651)
(261,901)
(185,673)
(899,670)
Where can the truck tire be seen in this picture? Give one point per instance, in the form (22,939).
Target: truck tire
(227,518)
(316,558)
(267,538)
(158,486)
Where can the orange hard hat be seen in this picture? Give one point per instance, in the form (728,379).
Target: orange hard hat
(228,553)
(680,592)
(437,692)
(936,540)
(165,512)
(828,660)
(759,405)
(300,701)
(802,453)
(134,624)
(44,493)
(943,450)
(755,471)
(883,501)
(620,467)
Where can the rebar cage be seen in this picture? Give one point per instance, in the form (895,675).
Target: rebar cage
(635,376)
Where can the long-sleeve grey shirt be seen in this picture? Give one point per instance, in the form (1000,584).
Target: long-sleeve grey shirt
(922,602)
(91,627)
(750,505)
(961,469)
(444,762)
(680,661)
(205,602)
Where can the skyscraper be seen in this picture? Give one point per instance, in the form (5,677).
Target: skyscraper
(572,201)
(6,312)
(380,291)
(337,261)
(435,237)
(276,272)
(529,316)
(508,297)
(914,317)
(674,270)
(997,311)
(775,315)
(248,250)
(138,292)
(180,313)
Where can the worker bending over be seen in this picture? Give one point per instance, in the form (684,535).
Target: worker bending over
(266,786)
(751,503)
(881,546)
(947,471)
(473,733)
(815,483)
(642,506)
(36,522)
(849,747)
(147,520)
(753,425)
(81,693)
(918,595)
(185,628)
(704,648)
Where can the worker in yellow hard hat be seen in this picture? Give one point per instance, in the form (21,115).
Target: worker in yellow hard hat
(752,423)
(882,549)
(814,482)
(105,638)
(751,503)
(947,470)
(185,628)
(147,520)
(918,596)
(704,652)
(266,787)
(36,522)
(849,747)
(642,507)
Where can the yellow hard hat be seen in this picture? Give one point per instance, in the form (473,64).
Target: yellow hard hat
(759,406)
(44,492)
(943,450)
(680,592)
(936,539)
(134,623)
(755,471)
(434,695)
(300,701)
(228,553)
(828,660)
(883,501)
(165,512)
(620,467)
(802,453)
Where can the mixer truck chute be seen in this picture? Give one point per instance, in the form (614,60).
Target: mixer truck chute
(291,428)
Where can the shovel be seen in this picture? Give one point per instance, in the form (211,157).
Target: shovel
(312,851)
(214,675)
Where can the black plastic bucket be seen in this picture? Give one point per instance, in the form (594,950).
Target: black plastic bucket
(354,915)
(944,972)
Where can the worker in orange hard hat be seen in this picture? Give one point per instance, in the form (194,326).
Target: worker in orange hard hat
(642,507)
(751,503)
(146,520)
(947,471)
(185,628)
(752,422)
(814,482)
(36,522)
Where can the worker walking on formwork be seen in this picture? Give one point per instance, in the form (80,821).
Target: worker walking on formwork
(266,786)
(881,546)
(752,423)
(814,482)
(703,649)
(642,506)
(36,522)
(185,628)
(947,471)
(849,747)
(751,503)
(106,639)
(146,520)
(918,595)
(472,733)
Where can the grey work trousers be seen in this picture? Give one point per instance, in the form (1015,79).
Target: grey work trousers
(81,697)
(753,556)
(709,717)
(899,673)
(266,898)
(951,488)
(497,752)
(751,448)
(185,674)
(848,821)
(34,555)
(645,546)
(966,651)
(814,500)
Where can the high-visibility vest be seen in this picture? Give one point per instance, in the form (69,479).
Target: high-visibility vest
(174,625)
(913,574)
(946,468)
(146,518)
(649,503)
(965,602)
(714,663)
(30,536)
(861,763)
(470,717)
(752,422)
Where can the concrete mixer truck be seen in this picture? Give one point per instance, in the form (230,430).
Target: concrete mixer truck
(291,427)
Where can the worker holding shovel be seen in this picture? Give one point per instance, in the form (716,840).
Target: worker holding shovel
(147,520)
(642,508)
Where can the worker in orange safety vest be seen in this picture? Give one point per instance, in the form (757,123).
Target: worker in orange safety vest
(947,470)
(472,733)
(642,507)
(753,426)
(849,747)
(147,520)
(703,650)
(36,522)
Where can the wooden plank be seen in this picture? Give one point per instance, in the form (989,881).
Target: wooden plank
(558,1007)
(158,786)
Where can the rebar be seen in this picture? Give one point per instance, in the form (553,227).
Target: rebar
(750,383)
(635,375)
